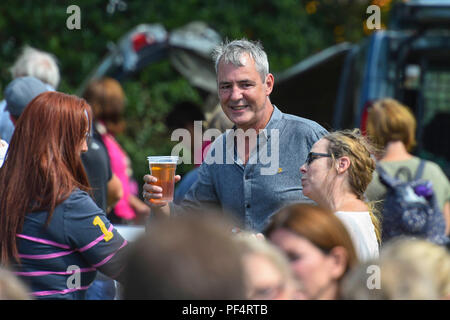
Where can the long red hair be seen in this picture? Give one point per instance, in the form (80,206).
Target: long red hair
(43,164)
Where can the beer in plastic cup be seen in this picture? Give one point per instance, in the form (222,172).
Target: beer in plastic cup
(163,169)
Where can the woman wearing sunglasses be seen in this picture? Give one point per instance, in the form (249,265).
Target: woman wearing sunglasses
(336,174)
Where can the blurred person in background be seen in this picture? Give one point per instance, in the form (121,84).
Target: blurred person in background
(48,221)
(268,273)
(32,63)
(107,99)
(18,93)
(408,269)
(318,246)
(183,116)
(191,257)
(392,126)
(336,174)
(11,287)
(106,192)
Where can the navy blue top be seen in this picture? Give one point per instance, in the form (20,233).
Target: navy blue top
(60,261)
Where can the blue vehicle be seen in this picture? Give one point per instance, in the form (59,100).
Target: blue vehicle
(410,62)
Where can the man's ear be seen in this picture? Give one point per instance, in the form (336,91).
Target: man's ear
(270,80)
(338,259)
(343,163)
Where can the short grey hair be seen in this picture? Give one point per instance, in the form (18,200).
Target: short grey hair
(38,64)
(231,52)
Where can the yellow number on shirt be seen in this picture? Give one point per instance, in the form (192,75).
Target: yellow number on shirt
(101,224)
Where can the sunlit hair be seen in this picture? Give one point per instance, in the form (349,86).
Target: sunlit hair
(251,245)
(43,164)
(38,64)
(389,120)
(422,265)
(409,269)
(316,224)
(11,287)
(352,144)
(107,100)
(231,52)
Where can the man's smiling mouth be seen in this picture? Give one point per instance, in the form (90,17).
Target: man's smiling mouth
(237,108)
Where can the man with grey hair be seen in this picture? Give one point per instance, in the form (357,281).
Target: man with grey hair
(235,174)
(32,63)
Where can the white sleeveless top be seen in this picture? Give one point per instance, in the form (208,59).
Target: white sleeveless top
(362,231)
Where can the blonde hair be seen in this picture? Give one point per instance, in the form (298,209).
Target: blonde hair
(11,288)
(251,245)
(409,269)
(389,120)
(353,144)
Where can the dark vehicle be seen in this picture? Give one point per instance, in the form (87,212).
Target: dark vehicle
(409,62)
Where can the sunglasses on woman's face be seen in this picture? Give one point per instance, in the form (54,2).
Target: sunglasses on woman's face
(314,155)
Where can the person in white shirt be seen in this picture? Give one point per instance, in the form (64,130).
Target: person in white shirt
(3,149)
(336,174)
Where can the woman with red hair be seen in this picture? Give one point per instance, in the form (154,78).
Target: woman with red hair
(51,232)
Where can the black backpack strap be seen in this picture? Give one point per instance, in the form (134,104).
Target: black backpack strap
(385,178)
(420,169)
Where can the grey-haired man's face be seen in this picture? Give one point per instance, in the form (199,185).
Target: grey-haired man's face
(243,95)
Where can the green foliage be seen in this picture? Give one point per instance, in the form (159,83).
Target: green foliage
(290,30)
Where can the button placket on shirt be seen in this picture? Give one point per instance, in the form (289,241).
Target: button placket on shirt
(247,193)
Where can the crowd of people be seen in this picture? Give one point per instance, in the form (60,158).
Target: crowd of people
(310,224)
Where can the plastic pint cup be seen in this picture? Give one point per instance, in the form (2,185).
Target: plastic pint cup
(163,168)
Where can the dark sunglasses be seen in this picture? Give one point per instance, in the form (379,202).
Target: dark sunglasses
(314,155)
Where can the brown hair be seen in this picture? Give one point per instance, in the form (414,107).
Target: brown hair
(319,225)
(107,99)
(389,120)
(43,164)
(353,144)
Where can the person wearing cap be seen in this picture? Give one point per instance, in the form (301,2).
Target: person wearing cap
(19,93)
